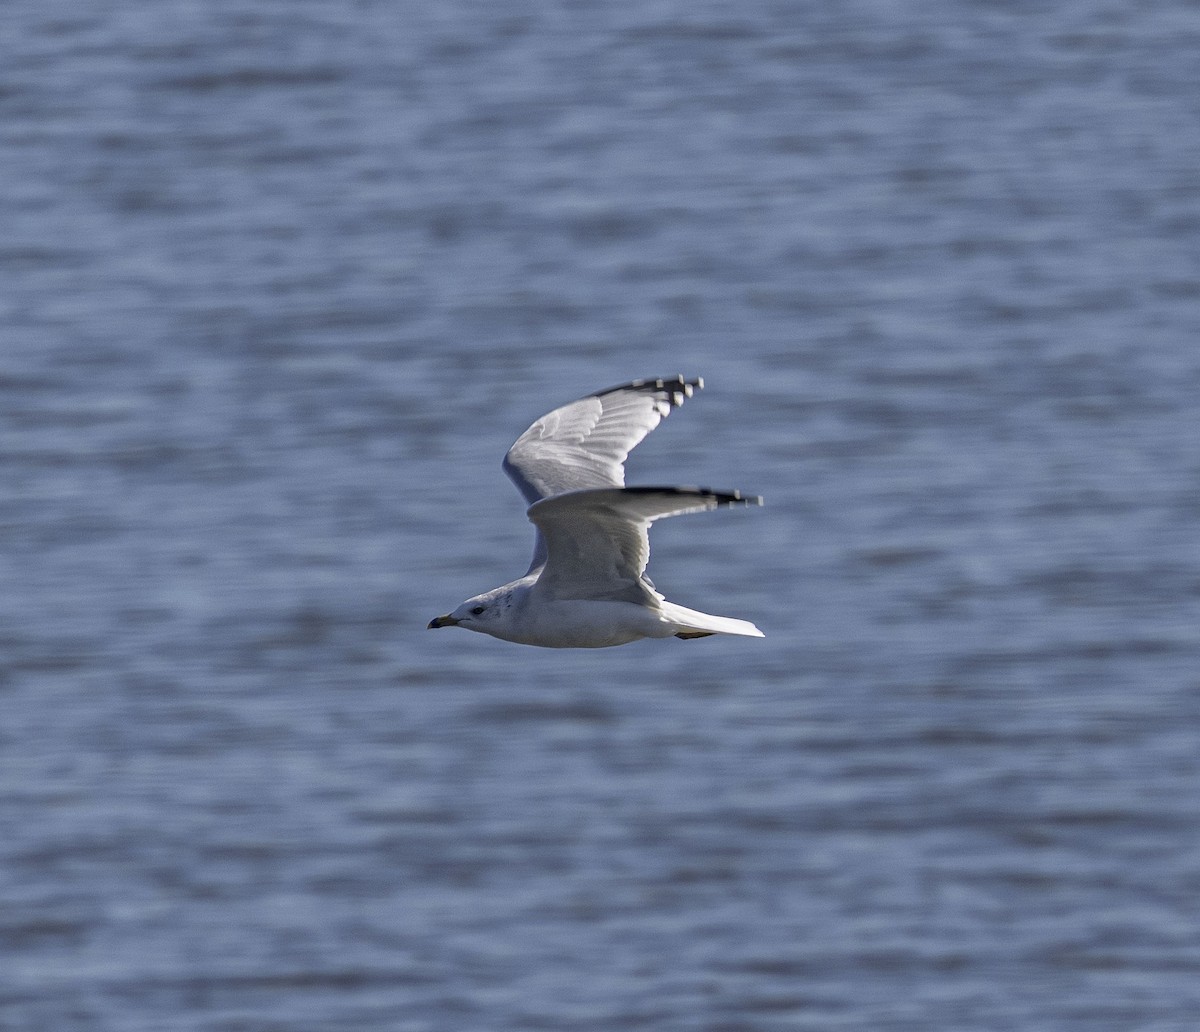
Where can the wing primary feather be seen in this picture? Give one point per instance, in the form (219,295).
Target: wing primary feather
(585,443)
(708,493)
(679,386)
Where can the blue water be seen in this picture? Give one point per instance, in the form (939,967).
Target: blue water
(282,281)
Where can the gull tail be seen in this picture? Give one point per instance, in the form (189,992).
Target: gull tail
(692,624)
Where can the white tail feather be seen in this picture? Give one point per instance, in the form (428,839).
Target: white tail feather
(690,620)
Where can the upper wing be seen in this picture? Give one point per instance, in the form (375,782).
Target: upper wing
(598,540)
(585,444)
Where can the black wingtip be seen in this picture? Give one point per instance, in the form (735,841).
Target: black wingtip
(719,497)
(735,498)
(727,497)
(678,387)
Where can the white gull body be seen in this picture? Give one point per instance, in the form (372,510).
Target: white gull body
(587,585)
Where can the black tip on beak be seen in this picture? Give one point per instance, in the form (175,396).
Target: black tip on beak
(441,621)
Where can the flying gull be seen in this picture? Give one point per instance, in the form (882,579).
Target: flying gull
(587,585)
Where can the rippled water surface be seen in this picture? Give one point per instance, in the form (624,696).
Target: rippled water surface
(281,282)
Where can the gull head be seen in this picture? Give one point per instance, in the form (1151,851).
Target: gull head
(487,612)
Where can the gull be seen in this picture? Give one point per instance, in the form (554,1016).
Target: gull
(587,586)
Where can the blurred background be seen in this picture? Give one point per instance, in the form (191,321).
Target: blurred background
(281,281)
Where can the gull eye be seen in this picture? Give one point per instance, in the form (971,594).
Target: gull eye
(477,610)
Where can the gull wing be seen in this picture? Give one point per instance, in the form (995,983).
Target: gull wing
(585,443)
(598,541)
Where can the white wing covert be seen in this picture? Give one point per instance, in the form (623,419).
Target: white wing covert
(598,540)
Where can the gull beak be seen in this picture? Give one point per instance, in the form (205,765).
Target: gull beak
(442,621)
